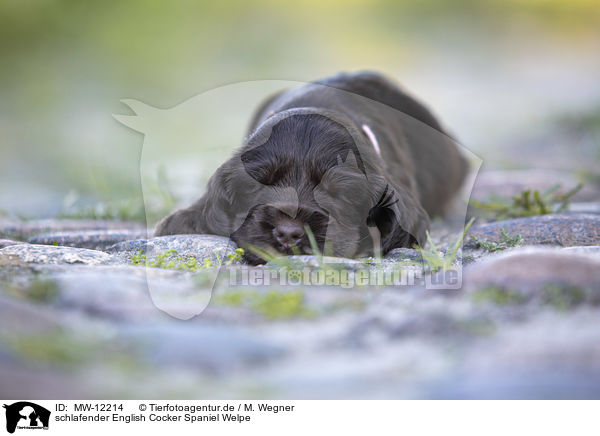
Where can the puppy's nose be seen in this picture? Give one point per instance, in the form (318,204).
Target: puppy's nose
(288,233)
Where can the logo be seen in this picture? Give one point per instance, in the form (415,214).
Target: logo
(26,415)
(350,207)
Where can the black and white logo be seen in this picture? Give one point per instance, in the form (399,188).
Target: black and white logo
(26,415)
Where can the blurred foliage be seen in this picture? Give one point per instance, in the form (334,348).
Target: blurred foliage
(587,121)
(527,203)
(131,209)
(67,63)
(115,42)
(159,202)
(435,259)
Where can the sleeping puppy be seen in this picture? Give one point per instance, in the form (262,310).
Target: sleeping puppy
(351,162)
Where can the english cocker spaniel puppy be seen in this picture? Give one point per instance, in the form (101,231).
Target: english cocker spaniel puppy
(351,161)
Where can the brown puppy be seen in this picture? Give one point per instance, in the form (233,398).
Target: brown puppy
(351,159)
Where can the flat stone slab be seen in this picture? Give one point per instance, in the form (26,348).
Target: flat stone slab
(106,294)
(128,293)
(591,250)
(213,348)
(20,317)
(528,271)
(199,247)
(551,355)
(21,379)
(311,261)
(404,255)
(118,314)
(534,384)
(564,230)
(92,239)
(22,230)
(53,255)
(7,242)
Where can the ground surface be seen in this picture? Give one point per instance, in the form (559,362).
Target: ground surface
(80,319)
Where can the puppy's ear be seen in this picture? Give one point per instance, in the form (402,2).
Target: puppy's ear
(403,234)
(413,223)
(401,221)
(418,230)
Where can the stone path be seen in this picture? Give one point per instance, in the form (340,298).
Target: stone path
(85,321)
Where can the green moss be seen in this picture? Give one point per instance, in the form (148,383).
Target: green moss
(468,258)
(71,350)
(558,296)
(170,259)
(499,296)
(562,297)
(271,305)
(42,290)
(232,298)
(235,257)
(275,305)
(527,203)
(506,241)
(54,348)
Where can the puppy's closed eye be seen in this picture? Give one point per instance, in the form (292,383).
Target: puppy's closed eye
(259,165)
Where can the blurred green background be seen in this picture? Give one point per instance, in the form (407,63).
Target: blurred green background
(495,71)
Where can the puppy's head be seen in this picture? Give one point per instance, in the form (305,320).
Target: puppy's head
(303,173)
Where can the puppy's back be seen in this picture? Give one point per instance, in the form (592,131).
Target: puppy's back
(377,87)
(439,168)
